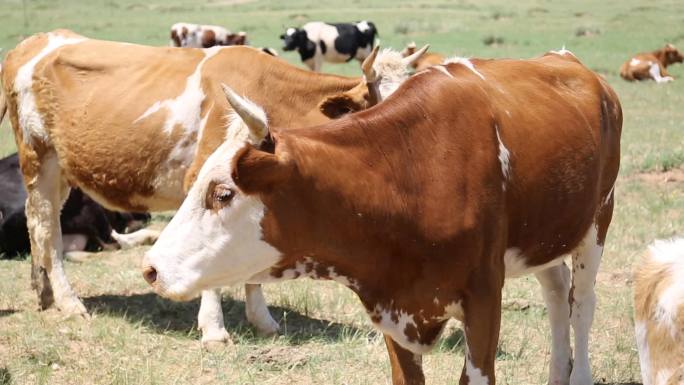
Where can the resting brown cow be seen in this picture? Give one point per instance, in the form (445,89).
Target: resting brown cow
(131,126)
(470,172)
(651,65)
(204,36)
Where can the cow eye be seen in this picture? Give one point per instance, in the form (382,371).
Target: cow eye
(221,196)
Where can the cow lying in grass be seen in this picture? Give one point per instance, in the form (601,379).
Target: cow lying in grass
(659,313)
(422,205)
(86,226)
(652,65)
(131,126)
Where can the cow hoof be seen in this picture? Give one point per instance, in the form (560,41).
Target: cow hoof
(267,327)
(73,307)
(216,340)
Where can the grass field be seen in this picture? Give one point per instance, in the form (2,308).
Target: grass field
(136,337)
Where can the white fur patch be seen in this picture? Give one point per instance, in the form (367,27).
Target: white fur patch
(363,26)
(442,69)
(670,254)
(466,62)
(634,62)
(30,120)
(641,334)
(396,330)
(474,374)
(562,52)
(516,267)
(504,159)
(290,31)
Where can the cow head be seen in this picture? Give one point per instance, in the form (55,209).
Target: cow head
(383,73)
(294,38)
(672,55)
(215,238)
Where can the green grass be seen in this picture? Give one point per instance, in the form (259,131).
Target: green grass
(136,337)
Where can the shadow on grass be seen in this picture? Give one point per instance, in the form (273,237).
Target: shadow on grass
(5,313)
(165,316)
(618,383)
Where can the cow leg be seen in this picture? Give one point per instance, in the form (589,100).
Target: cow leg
(136,238)
(407,367)
(555,283)
(47,192)
(257,311)
(585,264)
(210,319)
(656,74)
(481,324)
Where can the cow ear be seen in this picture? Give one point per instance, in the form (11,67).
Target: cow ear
(259,172)
(341,104)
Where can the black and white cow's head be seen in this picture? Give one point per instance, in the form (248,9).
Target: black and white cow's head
(294,38)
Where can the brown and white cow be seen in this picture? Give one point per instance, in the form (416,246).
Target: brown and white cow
(470,172)
(204,36)
(131,126)
(659,313)
(652,65)
(428,60)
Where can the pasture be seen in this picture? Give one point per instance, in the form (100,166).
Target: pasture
(136,337)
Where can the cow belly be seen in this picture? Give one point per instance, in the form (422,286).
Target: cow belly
(516,264)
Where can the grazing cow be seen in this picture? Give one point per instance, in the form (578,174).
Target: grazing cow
(652,65)
(86,226)
(204,36)
(131,126)
(421,205)
(317,42)
(428,60)
(659,313)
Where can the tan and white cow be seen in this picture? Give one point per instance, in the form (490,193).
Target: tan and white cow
(470,172)
(659,313)
(651,65)
(131,126)
(204,36)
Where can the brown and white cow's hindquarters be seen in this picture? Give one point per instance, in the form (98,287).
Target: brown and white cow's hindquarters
(659,313)
(130,125)
(422,205)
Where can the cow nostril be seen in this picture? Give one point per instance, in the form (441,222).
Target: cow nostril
(150,274)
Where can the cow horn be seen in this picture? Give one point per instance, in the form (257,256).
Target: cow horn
(367,66)
(251,114)
(415,56)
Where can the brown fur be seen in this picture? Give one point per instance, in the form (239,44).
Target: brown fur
(664,57)
(666,351)
(408,194)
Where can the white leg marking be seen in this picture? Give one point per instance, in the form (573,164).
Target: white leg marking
(43,207)
(585,264)
(257,311)
(210,318)
(654,71)
(475,376)
(640,331)
(30,120)
(555,283)
(136,238)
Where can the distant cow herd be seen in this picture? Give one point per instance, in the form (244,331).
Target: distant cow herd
(420,192)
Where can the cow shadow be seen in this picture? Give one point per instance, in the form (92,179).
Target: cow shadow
(618,383)
(180,318)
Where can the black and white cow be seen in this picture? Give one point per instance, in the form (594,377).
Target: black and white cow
(86,225)
(317,42)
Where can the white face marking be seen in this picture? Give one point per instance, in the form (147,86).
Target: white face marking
(201,248)
(363,26)
(465,62)
(290,31)
(641,334)
(504,159)
(442,69)
(474,374)
(30,120)
(391,70)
